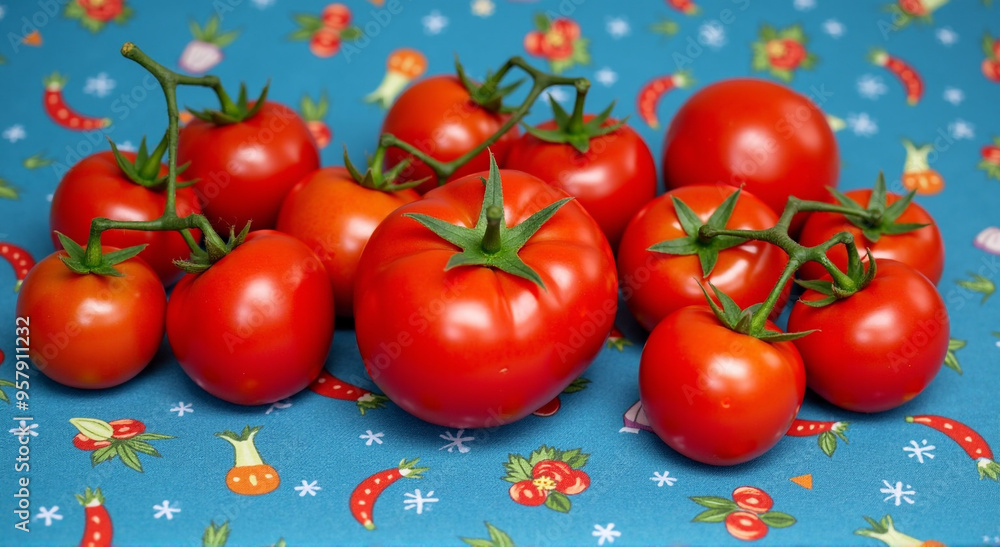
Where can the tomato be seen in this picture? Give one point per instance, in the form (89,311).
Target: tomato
(656,284)
(97,187)
(714,395)
(245,169)
(335,216)
(92,331)
(759,134)
(745,526)
(921,249)
(613,180)
(753,499)
(878,348)
(256,326)
(439,117)
(475,346)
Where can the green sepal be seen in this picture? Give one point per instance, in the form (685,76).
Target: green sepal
(489,94)
(876,218)
(707,251)
(229,112)
(580,137)
(383,182)
(144,170)
(203,259)
(741,320)
(76,259)
(89,496)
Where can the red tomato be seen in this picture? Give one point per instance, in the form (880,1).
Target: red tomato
(96,187)
(473,346)
(438,116)
(656,284)
(880,347)
(755,133)
(256,327)
(745,526)
(753,499)
(92,331)
(714,395)
(245,169)
(335,216)
(612,181)
(921,249)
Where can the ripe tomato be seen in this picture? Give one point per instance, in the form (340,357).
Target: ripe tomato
(474,346)
(753,499)
(878,348)
(921,249)
(755,133)
(656,284)
(613,180)
(92,331)
(96,187)
(255,327)
(245,169)
(714,395)
(745,525)
(335,216)
(439,117)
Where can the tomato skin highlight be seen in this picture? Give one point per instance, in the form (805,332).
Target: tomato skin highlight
(880,347)
(714,395)
(256,327)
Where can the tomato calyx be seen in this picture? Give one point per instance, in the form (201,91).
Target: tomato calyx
(373,177)
(79,261)
(489,94)
(856,271)
(201,260)
(491,243)
(571,128)
(144,170)
(707,248)
(742,320)
(876,218)
(230,112)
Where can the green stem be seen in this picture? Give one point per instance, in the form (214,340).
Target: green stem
(759,320)
(576,120)
(491,239)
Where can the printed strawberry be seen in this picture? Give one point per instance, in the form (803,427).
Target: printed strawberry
(781,53)
(547,477)
(205,50)
(125,438)
(314,112)
(95,14)
(991,159)
(559,41)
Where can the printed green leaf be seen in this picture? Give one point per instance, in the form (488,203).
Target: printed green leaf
(128,456)
(950,360)
(579,384)
(776,519)
(557,501)
(714,502)
(541,454)
(718,514)
(518,468)
(827,443)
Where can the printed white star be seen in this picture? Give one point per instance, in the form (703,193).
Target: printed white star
(307,488)
(483,8)
(834,28)
(165,510)
(99,85)
(954,95)
(663,478)
(606,77)
(946,36)
(456,440)
(558,93)
(605,533)
(871,87)
(3,11)
(897,493)
(261,4)
(372,437)
(617,27)
(712,34)
(961,129)
(920,450)
(862,124)
(804,5)
(278,405)
(14,133)
(417,500)
(23,429)
(180,408)
(127,146)
(434,22)
(48,515)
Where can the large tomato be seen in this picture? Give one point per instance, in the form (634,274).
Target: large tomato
(439,117)
(92,331)
(655,284)
(759,134)
(612,180)
(878,348)
(714,395)
(474,346)
(335,216)
(256,326)
(97,187)
(245,169)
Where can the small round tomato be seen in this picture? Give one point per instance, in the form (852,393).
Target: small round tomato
(921,249)
(256,326)
(245,169)
(92,331)
(753,499)
(878,348)
(526,493)
(97,187)
(612,180)
(335,216)
(656,284)
(439,117)
(715,395)
(745,526)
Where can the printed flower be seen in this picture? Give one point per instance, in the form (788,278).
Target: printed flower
(94,14)
(991,159)
(782,52)
(559,41)
(547,477)
(991,64)
(102,10)
(906,11)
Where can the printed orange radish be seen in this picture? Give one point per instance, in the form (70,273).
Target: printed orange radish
(404,66)
(687,7)
(330,386)
(20,259)
(650,94)
(367,492)
(909,77)
(97,530)
(966,437)
(61,113)
(885,531)
(917,173)
(250,476)
(314,113)
(827,433)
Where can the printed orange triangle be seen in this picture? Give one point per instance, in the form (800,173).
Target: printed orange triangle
(33,39)
(805,481)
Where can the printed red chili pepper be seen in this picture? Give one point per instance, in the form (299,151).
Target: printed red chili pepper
(366,494)
(649,95)
(20,259)
(330,386)
(827,433)
(61,113)
(97,530)
(909,77)
(966,437)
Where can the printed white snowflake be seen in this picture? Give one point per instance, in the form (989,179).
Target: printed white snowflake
(617,27)
(3,11)
(278,405)
(434,22)
(180,408)
(954,95)
(663,478)
(558,93)
(862,124)
(99,85)
(712,34)
(127,146)
(48,515)
(834,28)
(920,451)
(605,533)
(606,76)
(14,133)
(307,488)
(897,493)
(370,437)
(456,440)
(416,500)
(165,510)
(995,540)
(871,87)
(48,197)
(261,4)
(483,8)
(946,36)
(804,5)
(23,429)
(961,129)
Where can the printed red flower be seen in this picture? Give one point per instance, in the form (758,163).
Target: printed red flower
(913,7)
(785,53)
(102,10)
(554,43)
(548,476)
